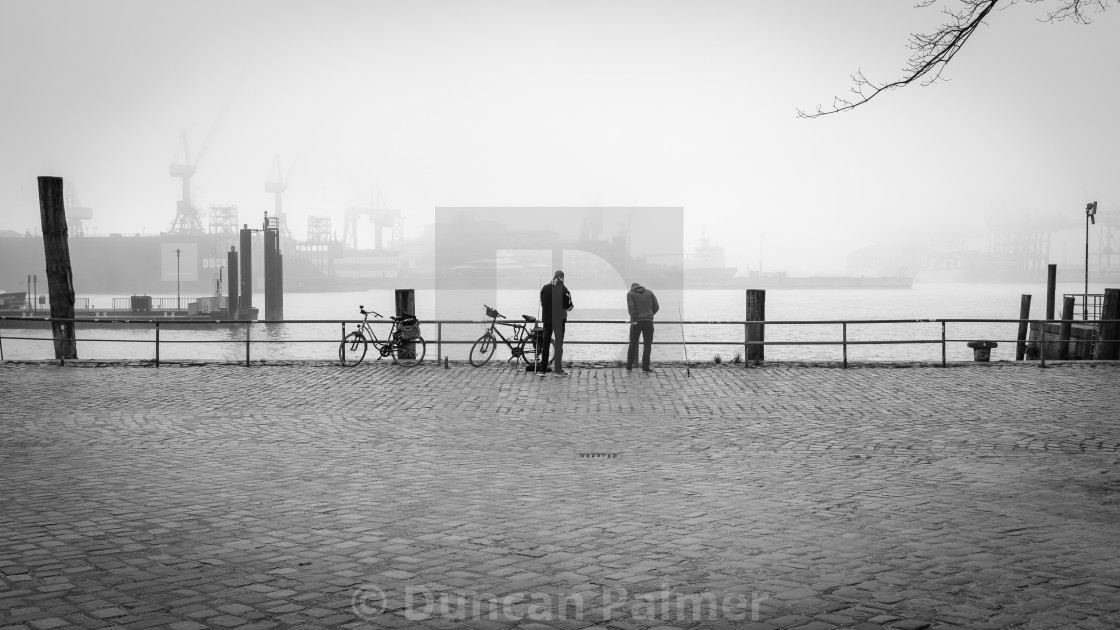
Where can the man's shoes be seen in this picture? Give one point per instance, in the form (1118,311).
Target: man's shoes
(562,373)
(542,374)
(648,370)
(629,368)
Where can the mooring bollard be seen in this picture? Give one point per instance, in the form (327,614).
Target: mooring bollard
(982,350)
(445,364)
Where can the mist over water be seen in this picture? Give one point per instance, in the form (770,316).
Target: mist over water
(319,341)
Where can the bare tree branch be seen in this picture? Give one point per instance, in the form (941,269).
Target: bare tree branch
(932,52)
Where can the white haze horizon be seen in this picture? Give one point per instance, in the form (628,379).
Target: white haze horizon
(422,105)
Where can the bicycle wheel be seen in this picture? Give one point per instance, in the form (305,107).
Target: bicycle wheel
(352,349)
(483,349)
(409,352)
(524,352)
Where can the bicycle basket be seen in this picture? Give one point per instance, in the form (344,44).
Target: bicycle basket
(409,329)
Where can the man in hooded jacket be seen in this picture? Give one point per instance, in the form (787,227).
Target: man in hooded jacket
(642,306)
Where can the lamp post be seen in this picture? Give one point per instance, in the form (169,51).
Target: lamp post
(178,299)
(1090,216)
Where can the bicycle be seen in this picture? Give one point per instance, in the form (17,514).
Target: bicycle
(404,344)
(522,344)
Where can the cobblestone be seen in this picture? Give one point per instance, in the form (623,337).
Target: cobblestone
(778,497)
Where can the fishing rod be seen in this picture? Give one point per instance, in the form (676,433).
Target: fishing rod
(684,341)
(537,340)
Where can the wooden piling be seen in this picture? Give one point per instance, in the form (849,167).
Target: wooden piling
(1051,286)
(1108,349)
(60,277)
(1024,313)
(405,300)
(246,293)
(233,281)
(1067,326)
(279,280)
(272,310)
(756,332)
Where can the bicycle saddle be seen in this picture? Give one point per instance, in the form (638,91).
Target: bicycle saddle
(529,319)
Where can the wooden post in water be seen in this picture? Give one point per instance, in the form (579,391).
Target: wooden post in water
(756,332)
(279,272)
(1067,325)
(60,278)
(1051,286)
(405,300)
(233,284)
(245,295)
(1108,349)
(272,309)
(1024,313)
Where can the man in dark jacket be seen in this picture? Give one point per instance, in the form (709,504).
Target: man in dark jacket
(642,306)
(556,301)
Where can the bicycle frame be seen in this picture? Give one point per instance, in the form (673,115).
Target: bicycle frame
(514,341)
(378,344)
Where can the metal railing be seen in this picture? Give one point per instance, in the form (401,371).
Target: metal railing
(43,304)
(1088,306)
(161,303)
(746,342)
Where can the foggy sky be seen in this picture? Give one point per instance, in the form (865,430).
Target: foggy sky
(607,103)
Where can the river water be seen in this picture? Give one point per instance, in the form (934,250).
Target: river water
(319,341)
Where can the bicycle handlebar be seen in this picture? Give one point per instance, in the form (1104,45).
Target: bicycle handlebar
(496,313)
(362,308)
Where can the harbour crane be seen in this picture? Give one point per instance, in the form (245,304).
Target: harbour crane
(187,220)
(277,186)
(76,213)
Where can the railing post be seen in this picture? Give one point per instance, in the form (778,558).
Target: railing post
(157,344)
(247,327)
(942,344)
(439,341)
(845,345)
(746,338)
(1,347)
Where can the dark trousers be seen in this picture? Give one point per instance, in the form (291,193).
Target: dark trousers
(557,329)
(645,329)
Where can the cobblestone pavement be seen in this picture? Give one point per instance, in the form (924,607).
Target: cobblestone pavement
(380,497)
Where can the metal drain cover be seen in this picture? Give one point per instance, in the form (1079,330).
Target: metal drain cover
(600,455)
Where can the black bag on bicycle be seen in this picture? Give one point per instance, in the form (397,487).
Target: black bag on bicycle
(409,328)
